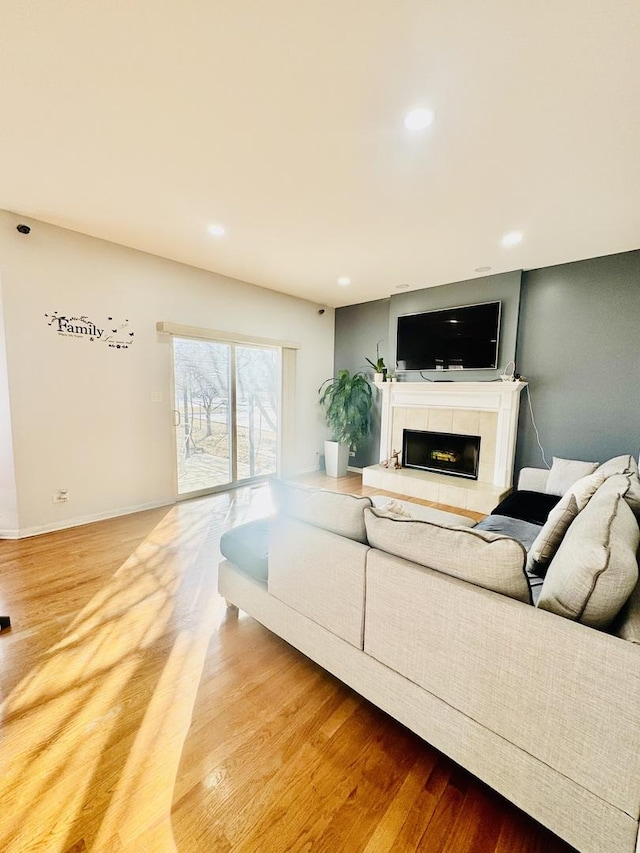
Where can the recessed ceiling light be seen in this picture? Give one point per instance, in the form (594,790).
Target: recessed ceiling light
(512,238)
(402,286)
(482,269)
(217,230)
(344,281)
(419,118)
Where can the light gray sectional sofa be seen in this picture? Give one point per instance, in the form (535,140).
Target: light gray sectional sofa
(435,625)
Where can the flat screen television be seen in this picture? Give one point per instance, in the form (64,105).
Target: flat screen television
(462,338)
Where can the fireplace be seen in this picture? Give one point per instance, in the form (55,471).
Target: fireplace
(485,409)
(442,452)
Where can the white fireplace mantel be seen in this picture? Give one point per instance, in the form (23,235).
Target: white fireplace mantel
(502,398)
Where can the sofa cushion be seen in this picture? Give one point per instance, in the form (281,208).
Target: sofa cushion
(533,507)
(627,467)
(247,546)
(480,557)
(338,513)
(595,570)
(525,532)
(565,472)
(561,516)
(320,575)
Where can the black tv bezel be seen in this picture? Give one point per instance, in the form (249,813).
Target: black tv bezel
(455,369)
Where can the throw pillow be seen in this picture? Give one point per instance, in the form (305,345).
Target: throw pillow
(565,472)
(548,540)
(595,570)
(485,559)
(619,465)
(628,467)
(584,489)
(628,624)
(333,511)
(533,507)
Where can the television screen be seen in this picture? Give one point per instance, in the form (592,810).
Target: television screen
(464,338)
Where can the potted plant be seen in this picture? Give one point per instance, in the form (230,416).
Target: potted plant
(347,402)
(378,365)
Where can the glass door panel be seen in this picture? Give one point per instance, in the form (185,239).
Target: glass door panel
(257,383)
(226,413)
(202,382)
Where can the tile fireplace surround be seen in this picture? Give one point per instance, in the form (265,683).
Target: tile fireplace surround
(487,409)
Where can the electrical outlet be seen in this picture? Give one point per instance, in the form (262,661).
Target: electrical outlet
(61,496)
(157,397)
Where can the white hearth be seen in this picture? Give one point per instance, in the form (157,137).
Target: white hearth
(487,409)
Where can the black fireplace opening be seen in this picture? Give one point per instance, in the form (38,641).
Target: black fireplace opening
(442,452)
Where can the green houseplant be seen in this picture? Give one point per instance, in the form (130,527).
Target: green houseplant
(347,400)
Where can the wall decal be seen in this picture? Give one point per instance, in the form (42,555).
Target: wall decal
(82,327)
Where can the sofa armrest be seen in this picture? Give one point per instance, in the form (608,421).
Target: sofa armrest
(533,479)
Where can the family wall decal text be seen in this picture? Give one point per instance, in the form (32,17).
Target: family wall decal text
(83,327)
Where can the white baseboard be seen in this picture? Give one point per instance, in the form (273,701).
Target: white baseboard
(25,532)
(9,534)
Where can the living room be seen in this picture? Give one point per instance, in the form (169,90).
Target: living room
(133,134)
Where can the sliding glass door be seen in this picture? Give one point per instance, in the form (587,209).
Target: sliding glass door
(225,413)
(257,371)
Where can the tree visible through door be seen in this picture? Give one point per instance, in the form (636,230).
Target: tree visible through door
(226,410)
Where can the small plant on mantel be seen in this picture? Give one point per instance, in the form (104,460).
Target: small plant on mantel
(378,365)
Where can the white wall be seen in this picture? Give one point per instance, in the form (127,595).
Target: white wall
(8,493)
(81,412)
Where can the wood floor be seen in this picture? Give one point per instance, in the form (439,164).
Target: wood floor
(140,715)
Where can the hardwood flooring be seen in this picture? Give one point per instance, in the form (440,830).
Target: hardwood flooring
(140,715)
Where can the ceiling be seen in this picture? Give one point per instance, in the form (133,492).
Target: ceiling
(144,122)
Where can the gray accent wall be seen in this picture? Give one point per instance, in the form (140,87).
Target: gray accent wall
(504,288)
(575,333)
(358,329)
(579,347)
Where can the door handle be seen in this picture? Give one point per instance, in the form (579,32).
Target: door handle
(177,420)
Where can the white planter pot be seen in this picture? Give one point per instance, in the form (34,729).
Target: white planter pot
(378,377)
(336,458)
